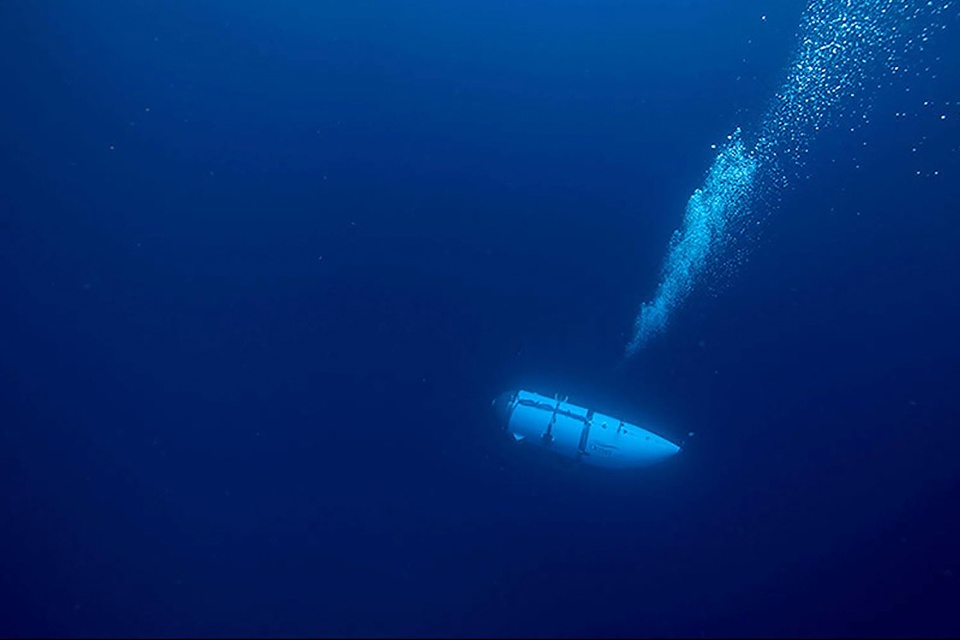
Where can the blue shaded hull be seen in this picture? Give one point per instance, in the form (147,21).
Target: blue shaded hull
(575,432)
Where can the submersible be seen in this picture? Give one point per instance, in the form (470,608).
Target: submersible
(576,432)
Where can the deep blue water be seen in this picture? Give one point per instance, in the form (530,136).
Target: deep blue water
(264,266)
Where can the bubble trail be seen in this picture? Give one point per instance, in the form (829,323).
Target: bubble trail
(842,44)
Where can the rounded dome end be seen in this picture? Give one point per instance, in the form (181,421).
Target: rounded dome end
(503,407)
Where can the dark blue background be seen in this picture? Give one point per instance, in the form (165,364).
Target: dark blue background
(207,429)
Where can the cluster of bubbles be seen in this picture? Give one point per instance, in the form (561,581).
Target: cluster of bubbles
(725,196)
(844,48)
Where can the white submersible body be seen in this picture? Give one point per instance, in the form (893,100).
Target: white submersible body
(575,432)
